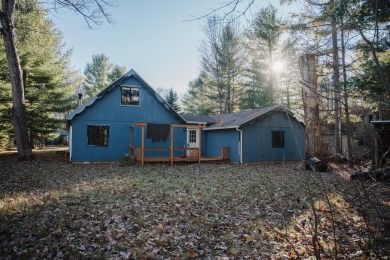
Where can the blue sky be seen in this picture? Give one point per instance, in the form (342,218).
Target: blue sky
(149,36)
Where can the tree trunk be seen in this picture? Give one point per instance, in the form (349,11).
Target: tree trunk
(336,85)
(310,98)
(346,105)
(18,112)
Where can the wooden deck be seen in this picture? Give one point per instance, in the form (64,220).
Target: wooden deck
(135,153)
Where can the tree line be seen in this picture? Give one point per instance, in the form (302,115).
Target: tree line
(244,68)
(12,21)
(241,67)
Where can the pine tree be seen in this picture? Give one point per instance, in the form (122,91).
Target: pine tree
(116,72)
(256,94)
(92,11)
(266,48)
(99,74)
(172,99)
(48,80)
(196,100)
(222,61)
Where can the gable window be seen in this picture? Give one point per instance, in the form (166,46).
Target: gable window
(97,135)
(277,138)
(130,96)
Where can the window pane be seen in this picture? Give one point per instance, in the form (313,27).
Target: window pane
(130,96)
(277,138)
(97,135)
(192,136)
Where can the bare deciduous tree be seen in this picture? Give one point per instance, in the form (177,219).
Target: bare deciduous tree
(310,105)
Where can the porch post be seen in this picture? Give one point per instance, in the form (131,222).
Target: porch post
(171,150)
(142,145)
(200,142)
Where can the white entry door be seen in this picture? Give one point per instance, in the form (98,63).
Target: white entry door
(192,139)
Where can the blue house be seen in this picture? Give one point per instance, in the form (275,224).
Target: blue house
(129,119)
(100,129)
(257,135)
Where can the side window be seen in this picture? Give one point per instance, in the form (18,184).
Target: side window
(277,138)
(97,135)
(130,96)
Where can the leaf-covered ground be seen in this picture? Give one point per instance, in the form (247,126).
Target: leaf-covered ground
(55,209)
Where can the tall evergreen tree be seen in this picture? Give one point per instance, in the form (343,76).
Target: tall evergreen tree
(116,72)
(48,80)
(172,99)
(96,75)
(256,94)
(266,47)
(8,11)
(196,100)
(99,74)
(223,62)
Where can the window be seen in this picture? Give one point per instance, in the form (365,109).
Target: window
(192,136)
(130,96)
(277,138)
(158,132)
(97,135)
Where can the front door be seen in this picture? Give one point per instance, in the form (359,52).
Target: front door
(192,139)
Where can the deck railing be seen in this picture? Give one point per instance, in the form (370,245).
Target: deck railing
(138,154)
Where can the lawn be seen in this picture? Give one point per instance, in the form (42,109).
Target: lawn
(54,209)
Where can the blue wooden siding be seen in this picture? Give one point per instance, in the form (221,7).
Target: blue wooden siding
(203,142)
(109,111)
(257,139)
(216,139)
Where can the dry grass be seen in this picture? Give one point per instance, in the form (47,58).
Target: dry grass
(51,208)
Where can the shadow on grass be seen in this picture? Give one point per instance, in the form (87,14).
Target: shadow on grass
(51,208)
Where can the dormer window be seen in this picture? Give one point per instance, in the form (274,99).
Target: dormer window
(130,96)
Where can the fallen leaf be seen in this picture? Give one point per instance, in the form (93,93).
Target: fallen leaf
(249,239)
(191,254)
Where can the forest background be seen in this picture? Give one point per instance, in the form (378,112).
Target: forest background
(242,66)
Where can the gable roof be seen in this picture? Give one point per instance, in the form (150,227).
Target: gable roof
(233,120)
(117,83)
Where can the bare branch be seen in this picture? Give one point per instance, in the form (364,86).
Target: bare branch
(92,11)
(232,7)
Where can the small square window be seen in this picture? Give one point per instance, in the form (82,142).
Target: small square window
(130,96)
(277,138)
(97,135)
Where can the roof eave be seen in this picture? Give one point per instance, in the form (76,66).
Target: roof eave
(196,122)
(380,122)
(221,128)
